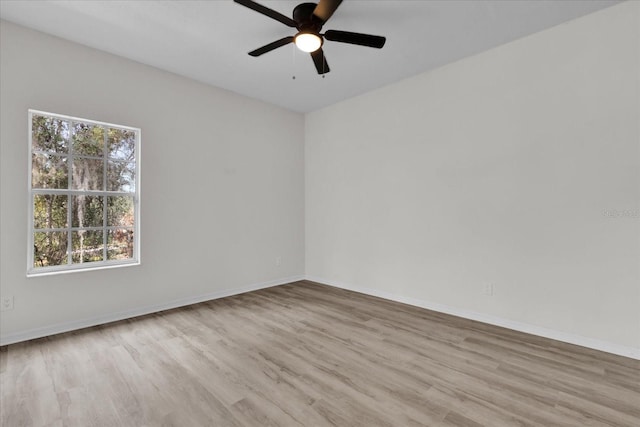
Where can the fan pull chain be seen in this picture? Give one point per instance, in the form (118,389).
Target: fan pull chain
(324,62)
(293,55)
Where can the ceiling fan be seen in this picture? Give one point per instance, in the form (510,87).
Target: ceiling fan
(308,19)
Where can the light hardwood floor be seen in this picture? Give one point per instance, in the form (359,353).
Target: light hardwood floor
(312,355)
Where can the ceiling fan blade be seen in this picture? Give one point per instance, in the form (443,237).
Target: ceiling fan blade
(268,12)
(355,38)
(320,61)
(325,9)
(271,46)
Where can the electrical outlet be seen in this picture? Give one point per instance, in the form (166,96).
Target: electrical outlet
(488,289)
(278,261)
(7,303)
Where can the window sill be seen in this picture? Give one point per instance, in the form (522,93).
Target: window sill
(52,272)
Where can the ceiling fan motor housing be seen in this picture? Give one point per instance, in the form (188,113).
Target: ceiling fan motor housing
(306,20)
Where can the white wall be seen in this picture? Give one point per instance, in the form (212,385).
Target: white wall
(500,168)
(222,185)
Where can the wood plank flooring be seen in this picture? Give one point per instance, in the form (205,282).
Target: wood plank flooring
(305,354)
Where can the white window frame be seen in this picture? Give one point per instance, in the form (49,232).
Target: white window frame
(96,265)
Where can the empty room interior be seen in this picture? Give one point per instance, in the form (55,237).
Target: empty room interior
(349,213)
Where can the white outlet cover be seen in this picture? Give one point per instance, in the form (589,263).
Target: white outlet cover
(488,289)
(7,303)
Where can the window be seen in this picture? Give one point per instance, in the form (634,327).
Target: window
(83,194)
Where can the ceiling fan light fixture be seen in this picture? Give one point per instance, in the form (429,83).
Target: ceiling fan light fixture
(308,19)
(308,42)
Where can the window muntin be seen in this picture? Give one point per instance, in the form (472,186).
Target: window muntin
(83,194)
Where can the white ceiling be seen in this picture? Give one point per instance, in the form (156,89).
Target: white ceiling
(208,40)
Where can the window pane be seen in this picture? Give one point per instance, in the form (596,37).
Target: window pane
(49,171)
(87,174)
(88,211)
(88,140)
(49,248)
(49,134)
(88,246)
(122,144)
(121,176)
(120,244)
(83,186)
(49,211)
(120,211)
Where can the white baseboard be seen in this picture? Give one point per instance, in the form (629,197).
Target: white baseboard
(592,343)
(140,311)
